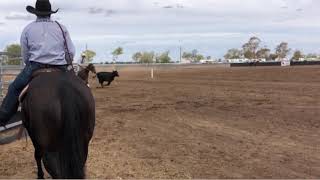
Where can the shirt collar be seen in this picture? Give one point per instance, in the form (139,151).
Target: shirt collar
(43,19)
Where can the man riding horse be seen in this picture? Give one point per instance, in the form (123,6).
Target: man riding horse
(43,45)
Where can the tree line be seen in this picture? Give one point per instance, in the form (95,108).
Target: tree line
(14,52)
(252,50)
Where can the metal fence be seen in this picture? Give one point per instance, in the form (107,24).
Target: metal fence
(8,74)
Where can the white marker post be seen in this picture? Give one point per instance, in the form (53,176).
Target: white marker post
(152,73)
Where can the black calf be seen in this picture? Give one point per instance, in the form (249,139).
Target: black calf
(107,77)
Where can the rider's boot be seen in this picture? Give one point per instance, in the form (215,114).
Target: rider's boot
(8,108)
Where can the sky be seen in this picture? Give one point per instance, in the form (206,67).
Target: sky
(210,26)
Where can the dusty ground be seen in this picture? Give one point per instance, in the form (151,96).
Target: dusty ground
(200,123)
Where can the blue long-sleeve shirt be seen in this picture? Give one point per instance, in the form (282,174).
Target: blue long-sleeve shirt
(42,41)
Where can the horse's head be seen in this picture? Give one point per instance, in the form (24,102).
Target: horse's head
(115,73)
(92,68)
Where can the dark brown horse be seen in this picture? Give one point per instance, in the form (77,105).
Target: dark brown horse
(59,115)
(84,73)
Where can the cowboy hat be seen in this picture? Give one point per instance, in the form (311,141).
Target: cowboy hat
(43,8)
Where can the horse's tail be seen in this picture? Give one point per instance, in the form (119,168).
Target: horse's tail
(70,161)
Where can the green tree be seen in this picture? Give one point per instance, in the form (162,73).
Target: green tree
(233,54)
(13,50)
(297,55)
(14,54)
(272,57)
(117,52)
(263,53)
(193,56)
(147,57)
(249,55)
(89,55)
(250,48)
(163,57)
(187,55)
(198,58)
(137,56)
(282,50)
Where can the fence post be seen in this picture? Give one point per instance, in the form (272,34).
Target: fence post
(152,73)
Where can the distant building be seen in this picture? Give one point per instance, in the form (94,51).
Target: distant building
(185,61)
(310,59)
(245,60)
(207,61)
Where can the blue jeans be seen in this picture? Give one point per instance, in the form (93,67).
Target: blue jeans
(11,102)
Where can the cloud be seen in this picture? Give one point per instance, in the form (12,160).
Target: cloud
(94,10)
(101,11)
(109,12)
(19,16)
(159,36)
(200,22)
(168,7)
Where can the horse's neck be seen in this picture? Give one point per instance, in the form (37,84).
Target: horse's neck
(84,74)
(85,71)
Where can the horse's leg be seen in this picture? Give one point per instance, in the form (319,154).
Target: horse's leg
(109,82)
(38,156)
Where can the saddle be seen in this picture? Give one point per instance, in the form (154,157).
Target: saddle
(35,74)
(45,70)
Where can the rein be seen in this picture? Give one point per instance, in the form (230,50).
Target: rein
(68,58)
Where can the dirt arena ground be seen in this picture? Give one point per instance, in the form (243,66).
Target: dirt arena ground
(199,122)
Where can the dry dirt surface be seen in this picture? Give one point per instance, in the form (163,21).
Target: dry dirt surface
(199,122)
